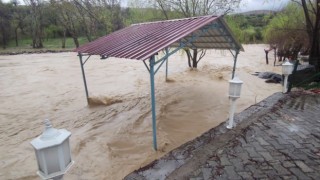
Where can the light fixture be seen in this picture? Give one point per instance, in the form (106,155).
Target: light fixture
(287,69)
(52,152)
(234,93)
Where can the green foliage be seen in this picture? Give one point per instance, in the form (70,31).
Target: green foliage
(248,28)
(287,29)
(139,15)
(50,43)
(310,81)
(314,85)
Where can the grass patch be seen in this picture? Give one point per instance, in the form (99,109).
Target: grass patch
(308,82)
(25,45)
(313,85)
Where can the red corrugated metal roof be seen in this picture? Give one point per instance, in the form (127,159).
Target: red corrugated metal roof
(141,41)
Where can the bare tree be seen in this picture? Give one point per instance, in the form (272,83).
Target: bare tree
(106,13)
(19,20)
(4,23)
(191,8)
(36,22)
(67,17)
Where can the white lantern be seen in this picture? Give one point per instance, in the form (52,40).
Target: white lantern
(287,68)
(235,87)
(234,94)
(52,152)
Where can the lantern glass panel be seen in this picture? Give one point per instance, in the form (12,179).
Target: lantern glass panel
(238,90)
(52,159)
(234,89)
(66,151)
(39,161)
(287,68)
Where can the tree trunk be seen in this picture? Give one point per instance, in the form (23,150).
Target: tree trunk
(88,35)
(40,35)
(4,42)
(76,42)
(16,36)
(189,57)
(40,45)
(314,57)
(33,43)
(313,33)
(267,59)
(3,35)
(275,56)
(64,40)
(194,58)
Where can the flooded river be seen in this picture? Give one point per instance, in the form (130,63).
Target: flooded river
(113,136)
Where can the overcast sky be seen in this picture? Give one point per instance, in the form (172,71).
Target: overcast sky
(249,5)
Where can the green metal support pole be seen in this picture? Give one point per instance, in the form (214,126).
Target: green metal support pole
(84,78)
(153,103)
(235,63)
(167,52)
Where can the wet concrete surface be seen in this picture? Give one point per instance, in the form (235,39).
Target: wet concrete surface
(278,138)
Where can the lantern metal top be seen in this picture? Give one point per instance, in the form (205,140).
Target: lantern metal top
(236,80)
(50,137)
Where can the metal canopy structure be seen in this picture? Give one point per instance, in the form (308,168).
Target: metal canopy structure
(144,41)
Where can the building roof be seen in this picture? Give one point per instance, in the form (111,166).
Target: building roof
(141,41)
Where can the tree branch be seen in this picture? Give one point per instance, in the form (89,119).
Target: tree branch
(203,53)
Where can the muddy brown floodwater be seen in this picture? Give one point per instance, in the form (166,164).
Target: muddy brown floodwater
(113,136)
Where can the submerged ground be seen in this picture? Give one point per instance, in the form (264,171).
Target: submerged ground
(114,137)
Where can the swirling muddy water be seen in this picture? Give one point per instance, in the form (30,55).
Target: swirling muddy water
(113,135)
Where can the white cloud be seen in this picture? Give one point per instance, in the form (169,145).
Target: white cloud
(249,5)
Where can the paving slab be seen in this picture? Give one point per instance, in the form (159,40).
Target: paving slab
(276,138)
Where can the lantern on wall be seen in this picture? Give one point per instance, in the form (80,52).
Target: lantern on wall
(52,152)
(234,93)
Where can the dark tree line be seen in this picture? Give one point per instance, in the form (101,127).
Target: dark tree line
(40,20)
(297,27)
